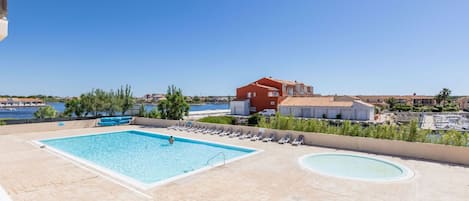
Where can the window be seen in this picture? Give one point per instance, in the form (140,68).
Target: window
(249,94)
(272,94)
(272,102)
(290,91)
(254,94)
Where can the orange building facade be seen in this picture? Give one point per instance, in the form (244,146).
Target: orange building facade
(268,93)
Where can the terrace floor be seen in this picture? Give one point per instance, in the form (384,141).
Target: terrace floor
(30,173)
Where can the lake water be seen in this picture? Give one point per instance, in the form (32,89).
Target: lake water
(27,112)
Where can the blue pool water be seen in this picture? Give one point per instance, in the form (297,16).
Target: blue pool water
(355,167)
(145,157)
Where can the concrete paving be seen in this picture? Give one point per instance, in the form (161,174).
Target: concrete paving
(30,173)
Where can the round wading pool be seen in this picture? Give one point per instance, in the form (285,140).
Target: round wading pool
(354,166)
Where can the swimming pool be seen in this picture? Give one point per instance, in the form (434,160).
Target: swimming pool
(355,166)
(145,159)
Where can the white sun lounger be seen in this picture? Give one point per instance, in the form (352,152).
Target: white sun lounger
(246,136)
(285,139)
(226,132)
(216,131)
(257,137)
(299,140)
(235,134)
(270,138)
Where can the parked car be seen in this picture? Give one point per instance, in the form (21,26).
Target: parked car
(267,112)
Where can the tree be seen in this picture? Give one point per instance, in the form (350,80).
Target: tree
(443,96)
(87,103)
(101,101)
(126,99)
(391,102)
(196,99)
(175,106)
(75,107)
(141,110)
(113,103)
(45,112)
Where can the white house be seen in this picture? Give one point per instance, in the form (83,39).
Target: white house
(338,107)
(240,107)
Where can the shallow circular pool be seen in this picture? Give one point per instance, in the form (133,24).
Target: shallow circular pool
(354,166)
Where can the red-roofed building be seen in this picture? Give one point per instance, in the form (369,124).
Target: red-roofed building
(266,93)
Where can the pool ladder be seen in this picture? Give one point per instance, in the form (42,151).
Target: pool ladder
(213,157)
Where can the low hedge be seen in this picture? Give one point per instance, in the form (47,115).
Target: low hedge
(218,120)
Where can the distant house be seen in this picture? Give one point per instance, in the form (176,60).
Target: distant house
(266,93)
(20,102)
(330,107)
(153,97)
(464,103)
(411,100)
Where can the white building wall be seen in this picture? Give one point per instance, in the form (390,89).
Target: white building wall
(358,111)
(240,107)
(364,112)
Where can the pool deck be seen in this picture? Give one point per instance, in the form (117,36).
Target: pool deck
(30,173)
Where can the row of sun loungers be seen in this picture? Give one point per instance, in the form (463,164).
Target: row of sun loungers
(231,133)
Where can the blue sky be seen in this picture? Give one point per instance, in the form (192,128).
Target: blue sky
(210,47)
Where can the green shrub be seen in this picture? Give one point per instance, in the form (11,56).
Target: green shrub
(154,114)
(402,107)
(45,112)
(437,109)
(338,116)
(254,119)
(2,123)
(412,131)
(218,120)
(453,137)
(141,110)
(408,132)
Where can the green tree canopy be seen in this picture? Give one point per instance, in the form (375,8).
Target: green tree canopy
(45,113)
(74,106)
(391,102)
(98,101)
(175,106)
(126,100)
(443,96)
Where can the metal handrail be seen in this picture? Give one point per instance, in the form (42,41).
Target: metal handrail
(213,157)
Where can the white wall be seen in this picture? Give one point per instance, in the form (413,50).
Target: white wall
(358,111)
(3,29)
(364,112)
(240,107)
(48,126)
